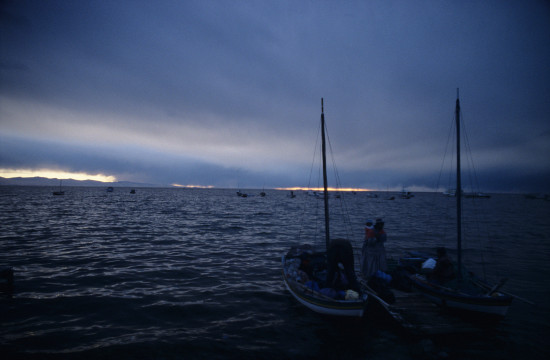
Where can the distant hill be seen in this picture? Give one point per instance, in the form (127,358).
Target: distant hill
(40,181)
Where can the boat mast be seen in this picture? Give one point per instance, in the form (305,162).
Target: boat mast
(458,189)
(327,231)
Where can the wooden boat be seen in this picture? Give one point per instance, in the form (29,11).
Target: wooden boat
(450,193)
(406,194)
(472,295)
(466,292)
(350,304)
(241,194)
(537,196)
(478,195)
(59,192)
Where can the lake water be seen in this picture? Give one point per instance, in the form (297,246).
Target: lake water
(196,274)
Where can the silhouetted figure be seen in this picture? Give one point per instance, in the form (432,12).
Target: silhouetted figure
(341,251)
(444,270)
(373,255)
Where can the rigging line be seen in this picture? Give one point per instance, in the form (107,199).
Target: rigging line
(451,206)
(449,136)
(478,214)
(319,211)
(450,144)
(452,165)
(314,156)
(475,183)
(343,207)
(309,185)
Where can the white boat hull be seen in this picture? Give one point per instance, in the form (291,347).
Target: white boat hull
(489,305)
(334,308)
(323,304)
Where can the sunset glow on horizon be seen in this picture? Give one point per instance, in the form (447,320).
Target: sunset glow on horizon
(297,188)
(194,186)
(54,174)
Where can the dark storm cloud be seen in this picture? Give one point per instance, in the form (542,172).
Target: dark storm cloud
(146,167)
(234,88)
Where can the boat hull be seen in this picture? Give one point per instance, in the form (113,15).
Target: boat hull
(323,304)
(496,305)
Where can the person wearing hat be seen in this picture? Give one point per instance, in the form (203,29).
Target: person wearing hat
(444,269)
(369,227)
(373,254)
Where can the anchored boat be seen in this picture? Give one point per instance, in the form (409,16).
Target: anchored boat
(305,269)
(466,292)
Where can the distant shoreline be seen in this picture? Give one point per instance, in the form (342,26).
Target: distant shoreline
(45,182)
(41,181)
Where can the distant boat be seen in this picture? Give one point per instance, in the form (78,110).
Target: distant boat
(319,194)
(389,197)
(450,193)
(466,292)
(241,194)
(133,191)
(537,196)
(479,195)
(372,195)
(323,300)
(406,194)
(314,193)
(110,189)
(291,195)
(60,192)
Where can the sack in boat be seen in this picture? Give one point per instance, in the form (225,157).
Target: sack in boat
(351,295)
(428,266)
(333,293)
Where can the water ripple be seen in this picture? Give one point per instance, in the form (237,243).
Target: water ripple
(199,270)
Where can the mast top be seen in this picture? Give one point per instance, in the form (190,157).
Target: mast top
(322,107)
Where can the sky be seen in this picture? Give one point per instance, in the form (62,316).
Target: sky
(228,93)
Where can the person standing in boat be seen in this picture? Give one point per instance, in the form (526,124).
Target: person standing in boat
(373,255)
(341,251)
(444,269)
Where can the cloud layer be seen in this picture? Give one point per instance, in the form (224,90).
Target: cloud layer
(228,94)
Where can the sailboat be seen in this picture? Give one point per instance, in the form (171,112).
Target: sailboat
(450,193)
(406,194)
(466,292)
(309,293)
(60,192)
